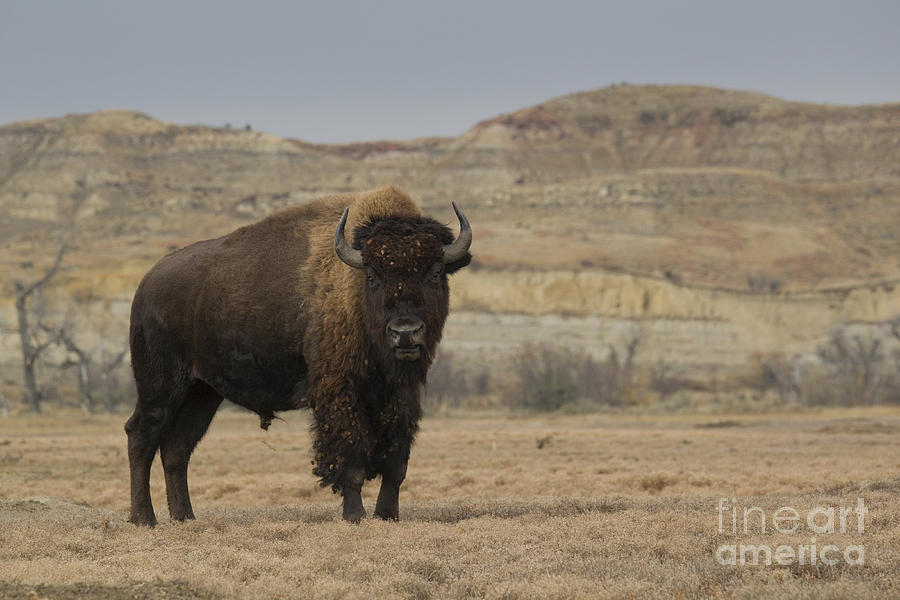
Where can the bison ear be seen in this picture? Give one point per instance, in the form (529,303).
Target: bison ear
(451,268)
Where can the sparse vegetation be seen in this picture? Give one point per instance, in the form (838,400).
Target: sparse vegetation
(855,365)
(447,385)
(550,377)
(544,441)
(546,378)
(763,283)
(850,368)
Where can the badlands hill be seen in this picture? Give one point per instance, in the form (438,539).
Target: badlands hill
(724,224)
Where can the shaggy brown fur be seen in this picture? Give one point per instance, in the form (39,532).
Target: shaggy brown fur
(270,318)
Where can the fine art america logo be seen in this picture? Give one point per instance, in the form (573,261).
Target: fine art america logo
(821,523)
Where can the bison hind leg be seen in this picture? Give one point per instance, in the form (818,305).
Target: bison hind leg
(143,441)
(162,383)
(178,442)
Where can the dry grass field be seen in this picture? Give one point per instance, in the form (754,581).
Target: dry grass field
(501,507)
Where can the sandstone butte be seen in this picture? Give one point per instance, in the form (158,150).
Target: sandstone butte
(722,224)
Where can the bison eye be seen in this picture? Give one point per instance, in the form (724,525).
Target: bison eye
(434,275)
(371,279)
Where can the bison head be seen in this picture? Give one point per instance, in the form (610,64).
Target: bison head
(406,261)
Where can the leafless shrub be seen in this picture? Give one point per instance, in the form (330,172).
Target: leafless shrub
(854,366)
(894,381)
(763,283)
(447,384)
(481,383)
(550,377)
(546,378)
(612,382)
(662,381)
(849,369)
(782,374)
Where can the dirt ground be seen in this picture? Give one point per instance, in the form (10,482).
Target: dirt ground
(497,507)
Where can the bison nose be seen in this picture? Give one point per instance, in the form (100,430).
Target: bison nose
(406,332)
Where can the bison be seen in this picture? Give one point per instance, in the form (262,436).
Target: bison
(286,314)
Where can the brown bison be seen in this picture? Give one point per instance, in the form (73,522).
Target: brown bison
(286,314)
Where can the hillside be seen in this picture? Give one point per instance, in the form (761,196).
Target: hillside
(658,204)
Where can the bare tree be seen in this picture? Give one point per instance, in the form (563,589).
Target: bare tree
(31,347)
(83,366)
(108,365)
(86,367)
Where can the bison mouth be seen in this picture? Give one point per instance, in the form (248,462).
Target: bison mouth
(406,335)
(408,353)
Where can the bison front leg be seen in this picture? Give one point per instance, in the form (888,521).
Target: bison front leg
(393,472)
(351,489)
(342,447)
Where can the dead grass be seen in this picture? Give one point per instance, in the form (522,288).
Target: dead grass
(860,426)
(719,424)
(615,507)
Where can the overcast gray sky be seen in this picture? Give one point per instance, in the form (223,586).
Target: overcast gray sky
(344,71)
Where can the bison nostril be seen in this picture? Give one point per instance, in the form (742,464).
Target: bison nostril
(407,329)
(406,332)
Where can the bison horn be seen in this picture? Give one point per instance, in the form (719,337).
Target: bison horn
(455,251)
(349,255)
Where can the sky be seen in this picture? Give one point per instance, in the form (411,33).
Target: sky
(345,71)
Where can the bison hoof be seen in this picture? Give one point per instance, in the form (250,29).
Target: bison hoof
(143,521)
(387,516)
(354,516)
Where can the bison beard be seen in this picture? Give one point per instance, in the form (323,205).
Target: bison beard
(271,318)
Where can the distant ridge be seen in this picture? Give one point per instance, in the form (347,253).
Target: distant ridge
(661,162)
(729,223)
